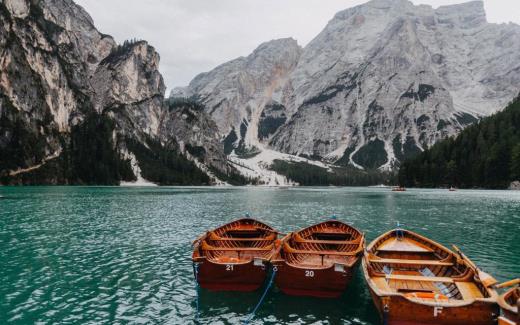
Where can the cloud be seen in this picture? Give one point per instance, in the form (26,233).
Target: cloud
(194,36)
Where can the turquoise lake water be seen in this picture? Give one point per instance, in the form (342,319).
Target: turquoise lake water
(107,255)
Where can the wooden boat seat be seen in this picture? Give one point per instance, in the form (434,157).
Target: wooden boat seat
(410,262)
(419,278)
(207,247)
(244,233)
(469,290)
(291,250)
(299,239)
(382,284)
(215,237)
(241,239)
(412,286)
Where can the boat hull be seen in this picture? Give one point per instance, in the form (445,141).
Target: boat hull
(320,283)
(230,277)
(505,321)
(402,311)
(508,318)
(510,314)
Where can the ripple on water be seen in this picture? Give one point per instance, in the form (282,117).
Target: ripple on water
(112,255)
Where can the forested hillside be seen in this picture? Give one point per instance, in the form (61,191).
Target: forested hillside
(485,155)
(310,175)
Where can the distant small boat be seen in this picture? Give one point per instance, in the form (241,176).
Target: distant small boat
(398,189)
(414,280)
(452,189)
(318,261)
(234,257)
(509,303)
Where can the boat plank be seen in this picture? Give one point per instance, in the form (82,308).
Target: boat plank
(382,284)
(419,278)
(469,290)
(235,249)
(410,262)
(322,252)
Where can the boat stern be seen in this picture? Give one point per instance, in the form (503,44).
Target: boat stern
(328,282)
(232,276)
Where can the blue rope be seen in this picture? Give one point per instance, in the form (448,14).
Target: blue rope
(386,311)
(252,315)
(196,273)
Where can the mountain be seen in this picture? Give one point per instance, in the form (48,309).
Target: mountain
(77,108)
(484,155)
(244,96)
(382,82)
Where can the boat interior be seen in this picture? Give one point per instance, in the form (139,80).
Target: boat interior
(238,242)
(512,297)
(323,245)
(408,264)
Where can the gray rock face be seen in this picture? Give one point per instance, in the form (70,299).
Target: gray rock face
(129,78)
(236,92)
(382,81)
(515,186)
(57,70)
(49,51)
(196,133)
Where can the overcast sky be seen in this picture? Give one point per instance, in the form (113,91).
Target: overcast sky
(194,36)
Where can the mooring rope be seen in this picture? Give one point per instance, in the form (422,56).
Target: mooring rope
(252,315)
(399,232)
(196,273)
(386,311)
(385,318)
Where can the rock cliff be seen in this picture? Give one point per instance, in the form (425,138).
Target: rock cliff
(75,107)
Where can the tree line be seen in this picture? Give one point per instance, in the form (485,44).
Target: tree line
(311,175)
(485,155)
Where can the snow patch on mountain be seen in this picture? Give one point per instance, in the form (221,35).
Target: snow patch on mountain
(140,181)
(258,167)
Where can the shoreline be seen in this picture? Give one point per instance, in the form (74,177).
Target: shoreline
(228,186)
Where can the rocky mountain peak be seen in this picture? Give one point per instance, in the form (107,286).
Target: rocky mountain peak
(17,8)
(277,45)
(375,8)
(382,81)
(469,15)
(389,4)
(278,52)
(236,92)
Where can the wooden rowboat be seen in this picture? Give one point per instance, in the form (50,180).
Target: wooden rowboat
(318,261)
(234,257)
(509,303)
(414,280)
